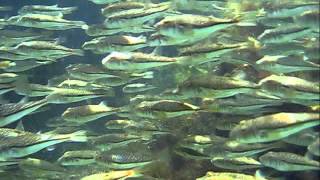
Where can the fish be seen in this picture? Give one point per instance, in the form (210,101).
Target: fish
(241,104)
(227,176)
(103,30)
(309,18)
(112,175)
(203,139)
(88,72)
(232,149)
(285,64)
(286,161)
(17,144)
(122,158)
(163,109)
(25,65)
(37,168)
(5,8)
(313,148)
(273,127)
(212,86)
(73,83)
(292,10)
(237,164)
(134,61)
(12,112)
(107,44)
(181,27)
(6,64)
(123,78)
(207,52)
(122,6)
(136,17)
(62,96)
(137,88)
(33,90)
(7,53)
(114,140)
(303,138)
(11,41)
(8,77)
(38,49)
(119,124)
(4,88)
(103,1)
(87,113)
(52,10)
(283,34)
(290,87)
(43,21)
(77,158)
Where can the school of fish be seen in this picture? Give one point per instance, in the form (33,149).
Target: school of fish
(170,90)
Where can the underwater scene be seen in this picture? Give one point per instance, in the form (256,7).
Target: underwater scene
(159,90)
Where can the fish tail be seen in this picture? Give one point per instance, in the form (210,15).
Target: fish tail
(78,52)
(85,27)
(148,75)
(145,75)
(22,86)
(69,10)
(254,43)
(78,136)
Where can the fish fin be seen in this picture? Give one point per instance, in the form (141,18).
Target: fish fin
(147,75)
(71,9)
(259,175)
(103,103)
(85,27)
(24,100)
(22,85)
(51,148)
(78,52)
(60,40)
(20,126)
(78,136)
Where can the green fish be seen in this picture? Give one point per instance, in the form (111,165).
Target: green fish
(107,44)
(182,27)
(18,143)
(37,168)
(87,113)
(134,61)
(52,10)
(285,64)
(273,127)
(77,158)
(237,164)
(286,161)
(62,96)
(43,21)
(12,112)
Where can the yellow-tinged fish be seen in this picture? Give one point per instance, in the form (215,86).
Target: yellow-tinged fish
(273,127)
(112,175)
(87,113)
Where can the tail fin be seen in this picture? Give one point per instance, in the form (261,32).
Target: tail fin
(22,86)
(78,136)
(78,52)
(85,27)
(70,10)
(145,75)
